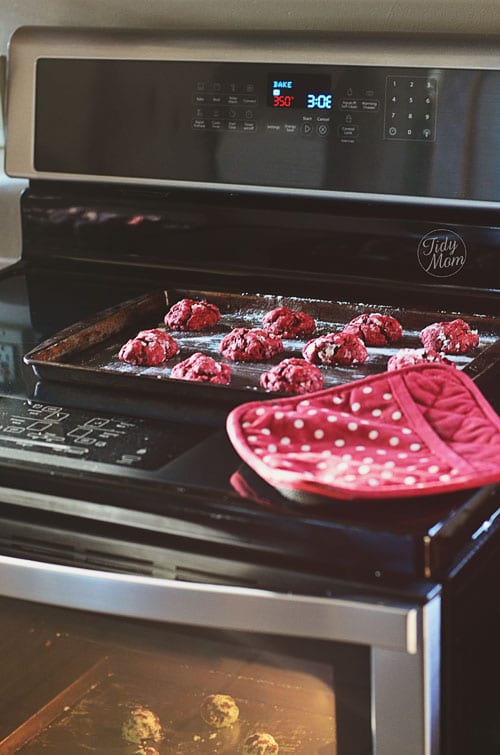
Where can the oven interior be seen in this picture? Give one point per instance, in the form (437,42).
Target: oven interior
(86,675)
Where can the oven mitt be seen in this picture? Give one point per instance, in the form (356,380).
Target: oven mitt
(419,430)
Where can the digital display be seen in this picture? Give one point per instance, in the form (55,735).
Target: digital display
(304,91)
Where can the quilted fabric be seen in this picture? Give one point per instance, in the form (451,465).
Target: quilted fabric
(420,430)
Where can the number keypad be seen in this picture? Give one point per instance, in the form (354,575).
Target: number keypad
(410,108)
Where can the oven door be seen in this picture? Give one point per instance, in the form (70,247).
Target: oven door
(117,663)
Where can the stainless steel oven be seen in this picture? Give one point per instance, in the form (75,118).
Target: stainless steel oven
(158,596)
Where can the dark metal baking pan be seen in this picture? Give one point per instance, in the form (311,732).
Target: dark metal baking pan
(87,352)
(296,706)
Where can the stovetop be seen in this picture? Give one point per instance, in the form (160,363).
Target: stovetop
(166,469)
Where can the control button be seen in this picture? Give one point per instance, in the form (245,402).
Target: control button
(349,92)
(250,88)
(290,128)
(232,125)
(217,86)
(323,119)
(200,113)
(369,93)
(232,113)
(249,115)
(232,99)
(348,104)
(199,124)
(216,112)
(370,106)
(248,100)
(201,86)
(322,129)
(217,125)
(273,128)
(249,126)
(217,99)
(232,87)
(201,99)
(349,132)
(410,108)
(306,129)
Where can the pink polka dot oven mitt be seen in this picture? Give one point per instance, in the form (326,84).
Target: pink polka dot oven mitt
(416,431)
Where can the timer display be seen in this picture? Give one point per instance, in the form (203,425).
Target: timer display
(305,91)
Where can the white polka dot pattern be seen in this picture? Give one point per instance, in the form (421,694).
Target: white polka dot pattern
(362,440)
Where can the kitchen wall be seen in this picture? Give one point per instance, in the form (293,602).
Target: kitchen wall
(354,16)
(481,16)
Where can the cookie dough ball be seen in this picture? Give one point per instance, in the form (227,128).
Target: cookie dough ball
(219,711)
(293,376)
(260,743)
(250,345)
(286,323)
(190,314)
(375,329)
(148,348)
(455,337)
(407,357)
(141,726)
(342,349)
(202,369)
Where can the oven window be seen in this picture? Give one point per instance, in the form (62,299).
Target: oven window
(76,682)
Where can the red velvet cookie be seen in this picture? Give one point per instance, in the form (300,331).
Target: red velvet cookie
(455,337)
(375,329)
(219,711)
(287,323)
(406,357)
(293,376)
(341,349)
(260,743)
(148,348)
(190,314)
(250,345)
(202,369)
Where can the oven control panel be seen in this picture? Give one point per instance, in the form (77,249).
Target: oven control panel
(188,114)
(304,105)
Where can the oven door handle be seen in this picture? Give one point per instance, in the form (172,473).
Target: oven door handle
(389,625)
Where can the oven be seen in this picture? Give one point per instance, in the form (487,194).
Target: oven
(158,595)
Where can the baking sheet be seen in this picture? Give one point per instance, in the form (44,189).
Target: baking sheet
(87,352)
(296,707)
